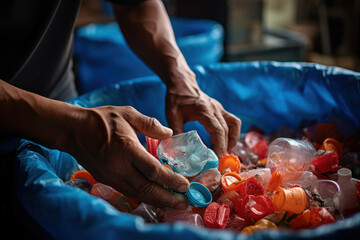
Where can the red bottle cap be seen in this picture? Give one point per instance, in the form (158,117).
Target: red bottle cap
(250,187)
(259,206)
(152,145)
(260,149)
(326,163)
(216,215)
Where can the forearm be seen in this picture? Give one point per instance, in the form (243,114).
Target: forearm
(148,31)
(37,118)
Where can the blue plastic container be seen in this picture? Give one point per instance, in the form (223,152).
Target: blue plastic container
(103,56)
(268,94)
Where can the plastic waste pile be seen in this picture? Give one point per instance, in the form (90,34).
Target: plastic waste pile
(288,180)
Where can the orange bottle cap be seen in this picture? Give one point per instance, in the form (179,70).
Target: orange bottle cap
(274,182)
(83,174)
(291,200)
(301,221)
(230,181)
(331,144)
(229,161)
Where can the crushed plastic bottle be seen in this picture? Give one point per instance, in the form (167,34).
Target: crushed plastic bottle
(187,154)
(210,179)
(288,155)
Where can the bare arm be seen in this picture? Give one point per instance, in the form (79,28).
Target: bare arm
(102,139)
(147,29)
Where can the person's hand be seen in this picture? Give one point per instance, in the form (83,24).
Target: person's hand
(108,147)
(189,103)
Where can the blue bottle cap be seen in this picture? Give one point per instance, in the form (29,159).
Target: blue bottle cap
(198,195)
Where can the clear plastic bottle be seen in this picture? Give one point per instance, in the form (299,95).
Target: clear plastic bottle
(187,154)
(348,191)
(288,155)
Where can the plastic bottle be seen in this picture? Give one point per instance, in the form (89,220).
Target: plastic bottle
(147,212)
(263,175)
(288,155)
(211,179)
(81,183)
(192,219)
(236,223)
(228,198)
(187,154)
(348,191)
(304,179)
(112,196)
(244,153)
(330,193)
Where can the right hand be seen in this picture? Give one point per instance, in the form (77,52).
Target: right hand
(107,146)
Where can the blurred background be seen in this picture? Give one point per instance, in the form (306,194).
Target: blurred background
(320,31)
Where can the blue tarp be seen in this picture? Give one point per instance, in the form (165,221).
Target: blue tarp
(103,56)
(267,94)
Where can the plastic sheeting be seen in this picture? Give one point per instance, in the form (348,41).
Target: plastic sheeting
(103,56)
(268,94)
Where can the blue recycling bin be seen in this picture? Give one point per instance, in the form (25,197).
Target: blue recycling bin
(267,94)
(103,57)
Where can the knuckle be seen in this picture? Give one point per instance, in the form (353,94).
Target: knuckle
(152,172)
(146,189)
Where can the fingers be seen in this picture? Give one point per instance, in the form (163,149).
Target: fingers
(175,121)
(234,125)
(145,125)
(152,169)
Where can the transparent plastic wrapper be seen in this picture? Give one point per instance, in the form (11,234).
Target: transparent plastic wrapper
(187,153)
(330,194)
(288,155)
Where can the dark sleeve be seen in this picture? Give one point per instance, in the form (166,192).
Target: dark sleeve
(126,2)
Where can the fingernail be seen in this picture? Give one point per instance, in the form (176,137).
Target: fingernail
(183,188)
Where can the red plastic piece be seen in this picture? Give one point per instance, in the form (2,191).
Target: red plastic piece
(326,163)
(252,138)
(320,216)
(259,206)
(216,215)
(250,187)
(152,145)
(236,223)
(240,208)
(260,149)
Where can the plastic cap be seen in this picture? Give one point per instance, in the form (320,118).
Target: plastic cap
(260,206)
(274,182)
(230,181)
(198,195)
(229,161)
(331,144)
(326,163)
(152,145)
(84,174)
(292,200)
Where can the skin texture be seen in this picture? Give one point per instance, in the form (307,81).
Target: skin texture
(103,139)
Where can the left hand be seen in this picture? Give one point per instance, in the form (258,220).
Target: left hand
(184,106)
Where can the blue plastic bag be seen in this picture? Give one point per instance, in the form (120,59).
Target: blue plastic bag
(103,56)
(268,94)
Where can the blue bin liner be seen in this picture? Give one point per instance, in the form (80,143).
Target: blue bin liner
(103,56)
(268,94)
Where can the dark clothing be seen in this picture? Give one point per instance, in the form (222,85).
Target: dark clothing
(36,45)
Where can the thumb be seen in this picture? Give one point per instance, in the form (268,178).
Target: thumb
(147,126)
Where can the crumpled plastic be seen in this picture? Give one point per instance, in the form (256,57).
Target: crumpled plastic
(267,94)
